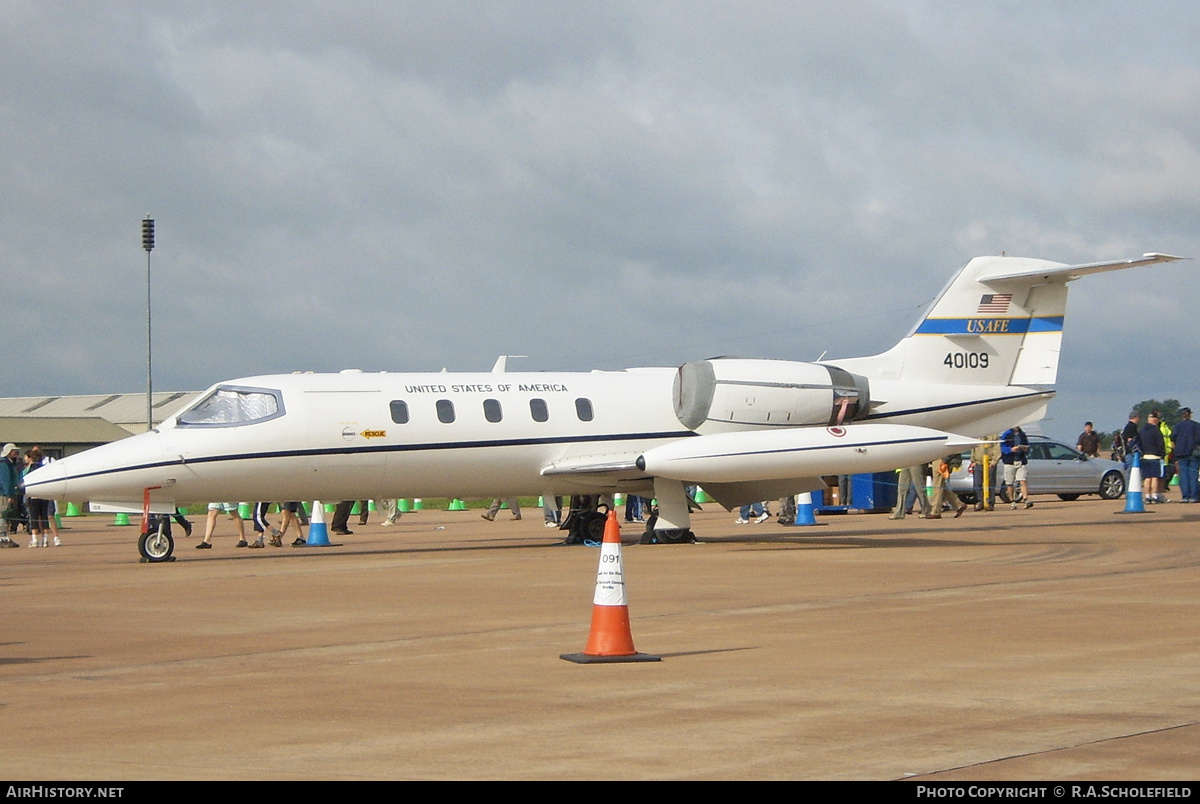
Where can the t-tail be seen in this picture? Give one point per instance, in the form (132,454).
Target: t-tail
(990,338)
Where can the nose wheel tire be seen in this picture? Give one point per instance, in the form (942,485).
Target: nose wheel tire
(156,547)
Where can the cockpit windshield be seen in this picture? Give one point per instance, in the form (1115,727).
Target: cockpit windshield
(230,406)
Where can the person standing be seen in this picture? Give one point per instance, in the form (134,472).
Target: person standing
(38,510)
(1118,448)
(513,506)
(210,525)
(1154,450)
(1168,467)
(291,515)
(10,494)
(755,510)
(1014,455)
(1088,442)
(262,527)
(911,477)
(1187,455)
(941,488)
(1130,439)
(391,510)
(552,510)
(633,508)
(340,522)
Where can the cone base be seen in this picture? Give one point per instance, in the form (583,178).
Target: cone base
(1134,504)
(588,658)
(318,535)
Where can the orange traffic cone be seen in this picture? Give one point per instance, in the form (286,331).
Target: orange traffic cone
(610,639)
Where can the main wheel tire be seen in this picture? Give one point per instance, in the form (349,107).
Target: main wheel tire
(593,526)
(675,536)
(1112,485)
(156,547)
(669,536)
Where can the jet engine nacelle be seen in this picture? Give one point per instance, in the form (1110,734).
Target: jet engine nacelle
(732,393)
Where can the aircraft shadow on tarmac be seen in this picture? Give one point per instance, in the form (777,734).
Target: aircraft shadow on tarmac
(340,550)
(964,533)
(848,539)
(34,659)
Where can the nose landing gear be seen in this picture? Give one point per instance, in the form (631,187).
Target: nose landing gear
(155,544)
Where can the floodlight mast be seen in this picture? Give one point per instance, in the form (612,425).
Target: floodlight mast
(148,244)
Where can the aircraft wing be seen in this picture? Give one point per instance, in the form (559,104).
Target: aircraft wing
(761,464)
(731,495)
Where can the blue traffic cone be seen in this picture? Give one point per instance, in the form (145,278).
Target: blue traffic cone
(318,533)
(1133,492)
(804,509)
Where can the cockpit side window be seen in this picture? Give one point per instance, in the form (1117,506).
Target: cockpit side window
(231,406)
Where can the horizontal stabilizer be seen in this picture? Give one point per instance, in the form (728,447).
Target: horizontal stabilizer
(1066,273)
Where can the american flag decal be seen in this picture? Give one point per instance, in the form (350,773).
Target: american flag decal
(994,304)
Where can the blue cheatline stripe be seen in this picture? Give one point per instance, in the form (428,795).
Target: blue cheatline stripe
(990,326)
(370,449)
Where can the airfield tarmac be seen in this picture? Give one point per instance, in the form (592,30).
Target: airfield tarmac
(1054,643)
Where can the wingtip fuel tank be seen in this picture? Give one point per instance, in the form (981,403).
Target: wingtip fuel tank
(798,452)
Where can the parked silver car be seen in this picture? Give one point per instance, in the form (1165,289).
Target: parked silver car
(1055,468)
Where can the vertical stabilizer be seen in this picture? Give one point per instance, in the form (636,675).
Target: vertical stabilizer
(998,322)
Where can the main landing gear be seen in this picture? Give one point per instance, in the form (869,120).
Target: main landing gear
(585,523)
(669,524)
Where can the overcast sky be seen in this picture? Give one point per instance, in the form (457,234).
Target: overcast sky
(407,186)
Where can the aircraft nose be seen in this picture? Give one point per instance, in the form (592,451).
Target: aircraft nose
(47,483)
(112,472)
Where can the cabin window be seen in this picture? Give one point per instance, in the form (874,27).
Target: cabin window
(230,406)
(537,408)
(399,411)
(492,411)
(445,411)
(583,409)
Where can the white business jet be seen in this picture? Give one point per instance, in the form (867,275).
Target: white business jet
(982,359)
